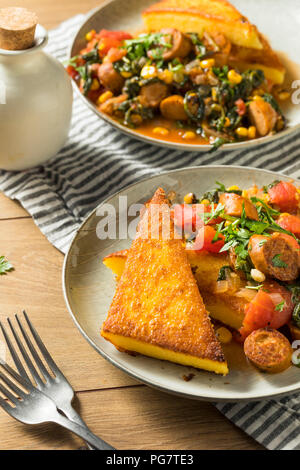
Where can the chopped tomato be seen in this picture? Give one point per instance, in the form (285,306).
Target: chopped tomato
(110,39)
(240,107)
(290,222)
(272,306)
(186,217)
(119,35)
(285,196)
(72,72)
(206,240)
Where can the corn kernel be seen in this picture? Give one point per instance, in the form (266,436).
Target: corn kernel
(234,187)
(242,131)
(136,119)
(224,335)
(245,193)
(89,36)
(259,91)
(257,275)
(126,74)
(234,77)
(207,63)
(160,131)
(189,198)
(257,98)
(227,223)
(205,201)
(101,46)
(266,198)
(284,95)
(252,132)
(166,76)
(95,85)
(188,135)
(214,95)
(104,97)
(148,71)
(227,122)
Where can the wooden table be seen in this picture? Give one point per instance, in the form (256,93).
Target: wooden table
(125,413)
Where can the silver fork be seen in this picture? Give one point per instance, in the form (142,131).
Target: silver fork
(30,406)
(57,388)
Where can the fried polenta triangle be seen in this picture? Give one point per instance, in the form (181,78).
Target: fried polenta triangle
(249,48)
(157,309)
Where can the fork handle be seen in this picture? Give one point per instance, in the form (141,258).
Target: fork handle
(82,431)
(72,414)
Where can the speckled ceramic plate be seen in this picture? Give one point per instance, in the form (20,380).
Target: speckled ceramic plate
(270,17)
(89,287)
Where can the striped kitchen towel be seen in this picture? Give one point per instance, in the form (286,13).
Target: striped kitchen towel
(97,161)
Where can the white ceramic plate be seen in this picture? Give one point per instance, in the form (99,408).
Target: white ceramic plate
(89,287)
(278,20)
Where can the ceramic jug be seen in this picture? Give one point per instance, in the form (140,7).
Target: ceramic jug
(35,105)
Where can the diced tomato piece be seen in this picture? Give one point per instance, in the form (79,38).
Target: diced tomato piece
(266,309)
(72,72)
(205,240)
(285,196)
(290,222)
(106,44)
(119,35)
(240,107)
(185,216)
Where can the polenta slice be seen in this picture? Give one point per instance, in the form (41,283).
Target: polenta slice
(227,307)
(203,15)
(250,49)
(157,309)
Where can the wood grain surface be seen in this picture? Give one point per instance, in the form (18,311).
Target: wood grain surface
(126,414)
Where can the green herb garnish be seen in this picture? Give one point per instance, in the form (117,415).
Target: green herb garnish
(5,266)
(277,262)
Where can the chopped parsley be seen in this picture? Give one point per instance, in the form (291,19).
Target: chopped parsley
(277,262)
(5,266)
(279,307)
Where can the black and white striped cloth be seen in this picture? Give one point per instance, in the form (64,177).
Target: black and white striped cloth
(97,161)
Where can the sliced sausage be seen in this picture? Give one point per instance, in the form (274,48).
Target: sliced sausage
(268,350)
(111,106)
(151,95)
(276,256)
(110,78)
(181,44)
(234,204)
(172,108)
(263,116)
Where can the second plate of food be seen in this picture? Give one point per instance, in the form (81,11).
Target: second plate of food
(89,286)
(191,76)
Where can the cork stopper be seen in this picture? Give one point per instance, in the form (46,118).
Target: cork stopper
(17,28)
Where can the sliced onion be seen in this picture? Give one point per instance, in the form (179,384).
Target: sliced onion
(221,287)
(234,281)
(247,294)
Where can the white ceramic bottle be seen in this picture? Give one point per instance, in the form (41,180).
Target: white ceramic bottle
(35,105)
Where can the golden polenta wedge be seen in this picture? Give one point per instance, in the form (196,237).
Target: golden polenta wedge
(250,49)
(157,309)
(227,307)
(203,15)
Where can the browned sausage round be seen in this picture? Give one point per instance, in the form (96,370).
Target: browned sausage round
(111,106)
(151,95)
(181,44)
(110,78)
(234,204)
(276,256)
(269,350)
(263,116)
(172,108)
